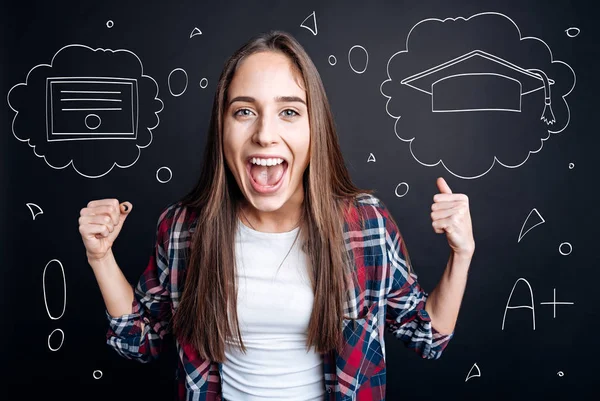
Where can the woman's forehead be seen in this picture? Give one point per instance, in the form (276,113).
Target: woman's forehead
(269,74)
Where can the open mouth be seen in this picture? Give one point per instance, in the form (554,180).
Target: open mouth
(266,175)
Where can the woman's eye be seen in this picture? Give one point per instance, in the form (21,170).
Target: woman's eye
(290,113)
(243,112)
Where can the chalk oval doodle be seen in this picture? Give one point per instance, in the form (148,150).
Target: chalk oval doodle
(64,283)
(572,32)
(354,49)
(178,74)
(62,339)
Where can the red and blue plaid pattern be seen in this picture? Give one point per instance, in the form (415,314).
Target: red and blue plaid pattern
(386,295)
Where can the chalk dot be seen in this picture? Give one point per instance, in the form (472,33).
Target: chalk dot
(565,248)
(169,172)
(332,60)
(402,192)
(203,83)
(110,23)
(97,374)
(571,166)
(560,374)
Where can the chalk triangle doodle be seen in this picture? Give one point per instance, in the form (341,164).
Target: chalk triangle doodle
(195,32)
(472,374)
(534,221)
(371,158)
(311,23)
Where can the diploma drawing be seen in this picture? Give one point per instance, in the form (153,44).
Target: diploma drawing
(86,102)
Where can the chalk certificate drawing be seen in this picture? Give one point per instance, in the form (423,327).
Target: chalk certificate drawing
(469,93)
(92,109)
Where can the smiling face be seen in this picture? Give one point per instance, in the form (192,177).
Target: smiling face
(266,132)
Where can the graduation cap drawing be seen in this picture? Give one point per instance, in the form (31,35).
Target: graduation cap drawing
(479,81)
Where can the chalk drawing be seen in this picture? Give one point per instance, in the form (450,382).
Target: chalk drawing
(531,306)
(34,209)
(401,193)
(533,219)
(62,272)
(195,32)
(572,32)
(178,71)
(110,23)
(473,372)
(444,76)
(203,83)
(565,248)
(310,23)
(356,48)
(332,60)
(371,158)
(85,107)
(97,374)
(62,339)
(170,173)
(554,303)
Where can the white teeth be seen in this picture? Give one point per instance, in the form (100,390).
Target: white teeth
(266,162)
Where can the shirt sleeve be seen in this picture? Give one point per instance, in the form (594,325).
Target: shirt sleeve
(406,316)
(151,306)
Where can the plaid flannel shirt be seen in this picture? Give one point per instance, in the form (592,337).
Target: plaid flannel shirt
(385,296)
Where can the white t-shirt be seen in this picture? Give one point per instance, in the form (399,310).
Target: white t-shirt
(274,308)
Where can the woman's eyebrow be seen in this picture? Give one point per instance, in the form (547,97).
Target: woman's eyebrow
(279,99)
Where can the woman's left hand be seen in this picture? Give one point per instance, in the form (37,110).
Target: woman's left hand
(450,214)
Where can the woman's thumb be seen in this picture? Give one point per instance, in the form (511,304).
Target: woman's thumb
(125,208)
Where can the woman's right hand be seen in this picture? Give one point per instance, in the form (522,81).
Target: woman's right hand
(100,224)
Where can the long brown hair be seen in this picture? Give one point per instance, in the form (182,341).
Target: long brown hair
(207,313)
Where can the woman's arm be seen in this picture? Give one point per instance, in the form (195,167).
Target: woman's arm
(450,215)
(444,301)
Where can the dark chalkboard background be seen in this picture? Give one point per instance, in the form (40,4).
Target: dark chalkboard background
(557,360)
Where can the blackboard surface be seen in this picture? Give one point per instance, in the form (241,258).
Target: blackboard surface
(419,89)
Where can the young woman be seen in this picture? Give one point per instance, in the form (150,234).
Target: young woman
(276,275)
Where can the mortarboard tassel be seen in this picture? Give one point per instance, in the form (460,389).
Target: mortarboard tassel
(547,114)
